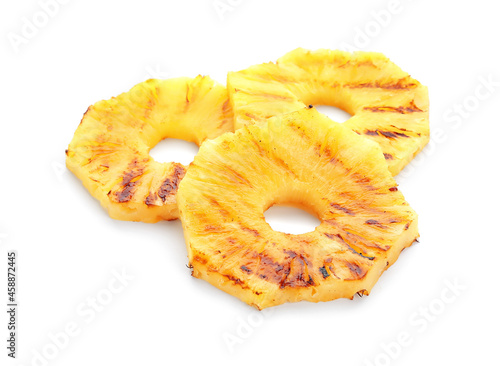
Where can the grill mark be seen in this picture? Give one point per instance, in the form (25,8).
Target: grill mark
(280,272)
(171,184)
(246,269)
(330,236)
(238,177)
(259,148)
(356,252)
(356,238)
(399,85)
(401,134)
(324,272)
(134,171)
(212,227)
(270,270)
(356,270)
(402,110)
(343,209)
(199,259)
(150,199)
(375,223)
(235,280)
(388,134)
(252,231)
(393,189)
(221,210)
(388,156)
(293,254)
(361,179)
(351,249)
(168,187)
(300,131)
(298,279)
(99,154)
(213,201)
(334,160)
(281,163)
(333,272)
(371,132)
(365,242)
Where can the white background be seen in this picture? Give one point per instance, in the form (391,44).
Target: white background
(68,248)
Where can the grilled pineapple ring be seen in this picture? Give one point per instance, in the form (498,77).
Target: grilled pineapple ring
(301,159)
(110,149)
(386,104)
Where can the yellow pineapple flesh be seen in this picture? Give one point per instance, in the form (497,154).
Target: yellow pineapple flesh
(386,104)
(109,152)
(304,160)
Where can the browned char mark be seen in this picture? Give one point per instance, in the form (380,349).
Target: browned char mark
(410,108)
(247,270)
(388,134)
(375,223)
(401,84)
(290,271)
(237,177)
(168,187)
(251,231)
(342,208)
(349,247)
(356,270)
(135,170)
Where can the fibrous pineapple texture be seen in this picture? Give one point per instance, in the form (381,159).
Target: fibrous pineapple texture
(386,104)
(110,149)
(299,159)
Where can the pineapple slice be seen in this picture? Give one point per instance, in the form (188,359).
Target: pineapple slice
(299,159)
(110,149)
(386,104)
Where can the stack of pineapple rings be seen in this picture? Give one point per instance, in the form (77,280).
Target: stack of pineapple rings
(263,143)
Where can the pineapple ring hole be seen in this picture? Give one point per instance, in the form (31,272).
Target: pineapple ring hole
(174,150)
(291,219)
(334,113)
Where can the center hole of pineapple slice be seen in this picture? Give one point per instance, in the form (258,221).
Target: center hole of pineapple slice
(290,220)
(174,150)
(334,113)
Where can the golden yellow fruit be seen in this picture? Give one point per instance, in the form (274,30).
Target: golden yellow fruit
(386,104)
(299,159)
(109,152)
